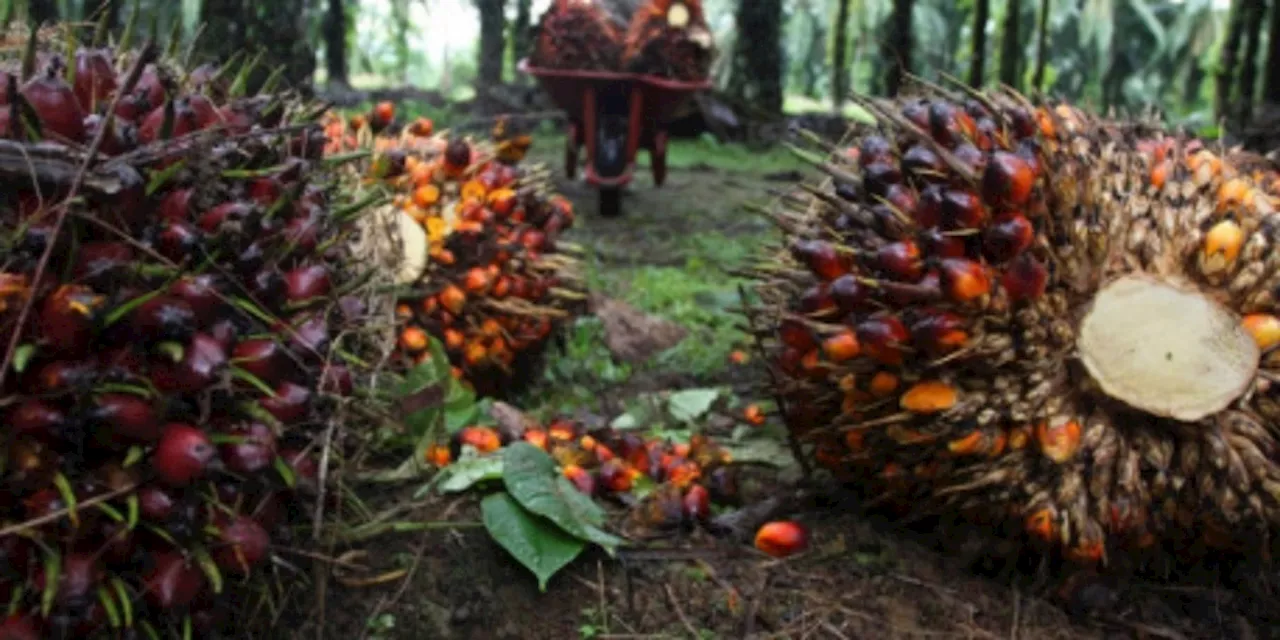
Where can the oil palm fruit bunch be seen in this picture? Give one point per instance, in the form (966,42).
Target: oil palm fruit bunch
(168,314)
(1037,321)
(479,255)
(663,485)
(577,35)
(670,38)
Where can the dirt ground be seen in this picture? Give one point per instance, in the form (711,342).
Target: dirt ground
(862,578)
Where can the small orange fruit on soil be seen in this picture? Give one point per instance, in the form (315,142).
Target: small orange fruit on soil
(782,538)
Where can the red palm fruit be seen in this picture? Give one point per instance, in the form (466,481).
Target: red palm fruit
(252,449)
(949,125)
(155,504)
(939,332)
(172,581)
(782,538)
(178,241)
(79,574)
(97,259)
(203,359)
(302,232)
(307,282)
(236,119)
(19,627)
(902,198)
(900,260)
(242,545)
(616,476)
(971,156)
(822,258)
(1008,236)
(581,479)
(849,294)
(879,176)
(920,162)
(54,101)
(336,379)
(61,375)
(697,504)
(36,418)
(200,292)
(118,543)
(937,244)
(95,78)
(962,210)
(153,85)
(1008,180)
(723,485)
(457,156)
(817,299)
(227,213)
(796,334)
(264,358)
(310,333)
(290,404)
(183,455)
(265,191)
(882,338)
(127,416)
(484,439)
(191,113)
(119,137)
(1025,278)
(67,318)
(163,318)
(875,149)
(928,210)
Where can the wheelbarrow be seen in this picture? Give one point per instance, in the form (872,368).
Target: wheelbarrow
(614,115)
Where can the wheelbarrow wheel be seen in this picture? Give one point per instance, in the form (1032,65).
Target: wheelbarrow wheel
(571,152)
(658,158)
(610,202)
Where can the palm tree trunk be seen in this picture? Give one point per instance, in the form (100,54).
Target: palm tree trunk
(522,32)
(1227,64)
(898,46)
(1249,66)
(978,62)
(756,78)
(840,61)
(42,10)
(1271,94)
(492,47)
(1011,45)
(335,43)
(1042,46)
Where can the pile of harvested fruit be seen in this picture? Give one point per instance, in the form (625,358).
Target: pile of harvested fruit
(666,485)
(577,35)
(1053,325)
(168,302)
(479,262)
(670,39)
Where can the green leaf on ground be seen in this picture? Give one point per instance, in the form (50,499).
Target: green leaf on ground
(469,470)
(530,475)
(691,404)
(535,542)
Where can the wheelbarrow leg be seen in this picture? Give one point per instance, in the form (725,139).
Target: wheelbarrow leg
(610,202)
(658,158)
(572,142)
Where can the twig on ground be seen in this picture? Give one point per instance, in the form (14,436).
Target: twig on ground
(675,604)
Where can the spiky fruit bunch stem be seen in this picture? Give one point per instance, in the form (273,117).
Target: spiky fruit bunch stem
(577,34)
(670,38)
(479,259)
(169,298)
(1025,314)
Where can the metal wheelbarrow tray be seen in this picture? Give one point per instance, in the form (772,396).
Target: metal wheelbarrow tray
(614,115)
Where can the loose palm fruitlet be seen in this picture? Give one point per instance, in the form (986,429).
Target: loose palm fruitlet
(577,35)
(665,486)
(1026,316)
(479,253)
(168,306)
(670,38)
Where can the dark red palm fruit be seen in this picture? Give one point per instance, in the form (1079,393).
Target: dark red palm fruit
(265,191)
(172,582)
(924,165)
(1008,180)
(290,404)
(875,149)
(310,333)
(902,198)
(242,545)
(61,375)
(796,334)
(117,543)
(849,294)
(183,455)
(178,241)
(118,138)
(44,503)
(176,205)
(79,576)
(1008,236)
(336,379)
(100,259)
(1025,278)
(153,85)
(20,627)
(36,418)
(203,360)
(878,177)
(54,101)
(127,417)
(268,287)
(696,504)
(252,449)
(937,244)
(816,300)
(615,476)
(900,261)
(882,337)
(938,332)
(95,78)
(962,209)
(301,232)
(1029,151)
(971,156)
(306,470)
(264,358)
(191,113)
(236,119)
(581,479)
(306,282)
(822,258)
(68,317)
(226,331)
(457,154)
(163,318)
(156,504)
(950,125)
(964,280)
(226,216)
(200,292)
(928,211)
(917,113)
(722,483)
(131,108)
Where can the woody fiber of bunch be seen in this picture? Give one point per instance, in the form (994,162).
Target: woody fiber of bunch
(170,303)
(1023,315)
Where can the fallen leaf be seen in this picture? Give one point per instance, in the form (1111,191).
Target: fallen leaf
(634,336)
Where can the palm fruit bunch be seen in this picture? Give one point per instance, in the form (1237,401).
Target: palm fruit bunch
(169,301)
(479,259)
(1034,320)
(670,38)
(576,35)
(664,485)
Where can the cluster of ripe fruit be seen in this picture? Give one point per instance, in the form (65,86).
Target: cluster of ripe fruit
(493,285)
(172,317)
(665,38)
